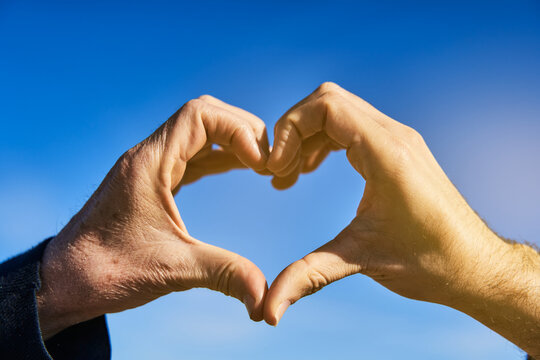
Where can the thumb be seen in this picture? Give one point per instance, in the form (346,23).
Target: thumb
(330,262)
(233,275)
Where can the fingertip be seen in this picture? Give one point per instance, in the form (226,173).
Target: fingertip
(270,316)
(273,159)
(278,298)
(249,150)
(257,312)
(273,317)
(261,158)
(264,148)
(264,155)
(278,185)
(287,143)
(257,288)
(249,303)
(284,183)
(264,172)
(268,310)
(281,310)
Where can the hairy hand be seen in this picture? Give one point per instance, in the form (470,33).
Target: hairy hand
(128,244)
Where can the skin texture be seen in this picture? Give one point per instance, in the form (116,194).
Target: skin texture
(128,244)
(413,232)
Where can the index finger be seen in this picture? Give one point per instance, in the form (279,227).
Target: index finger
(191,128)
(326,110)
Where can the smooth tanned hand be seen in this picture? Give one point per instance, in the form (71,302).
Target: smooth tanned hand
(413,232)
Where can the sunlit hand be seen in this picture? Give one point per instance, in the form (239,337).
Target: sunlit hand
(128,244)
(413,231)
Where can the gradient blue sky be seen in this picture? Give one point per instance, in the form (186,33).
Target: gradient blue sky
(81,82)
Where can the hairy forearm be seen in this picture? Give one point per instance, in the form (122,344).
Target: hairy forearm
(503,293)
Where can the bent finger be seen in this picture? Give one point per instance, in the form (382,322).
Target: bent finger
(327,111)
(288,180)
(259,127)
(197,124)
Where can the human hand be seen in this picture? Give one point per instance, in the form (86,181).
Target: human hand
(128,245)
(413,232)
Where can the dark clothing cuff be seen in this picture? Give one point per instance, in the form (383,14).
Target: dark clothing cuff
(20,334)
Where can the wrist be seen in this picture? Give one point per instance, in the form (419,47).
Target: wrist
(60,299)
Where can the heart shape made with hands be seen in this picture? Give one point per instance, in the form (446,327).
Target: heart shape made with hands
(310,154)
(412,231)
(304,136)
(389,233)
(313,152)
(129,245)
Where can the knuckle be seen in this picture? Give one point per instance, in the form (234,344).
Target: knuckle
(291,122)
(206,97)
(331,102)
(258,126)
(223,277)
(286,125)
(328,86)
(292,125)
(403,154)
(128,162)
(134,171)
(329,97)
(413,136)
(316,279)
(242,130)
(128,157)
(194,105)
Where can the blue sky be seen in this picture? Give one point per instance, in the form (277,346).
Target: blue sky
(81,82)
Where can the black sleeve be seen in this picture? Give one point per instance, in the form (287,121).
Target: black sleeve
(20,334)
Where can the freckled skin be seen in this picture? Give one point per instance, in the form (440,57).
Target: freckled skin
(129,245)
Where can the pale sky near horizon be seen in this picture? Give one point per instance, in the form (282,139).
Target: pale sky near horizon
(82,82)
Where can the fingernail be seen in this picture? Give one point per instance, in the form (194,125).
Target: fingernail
(281,310)
(249,302)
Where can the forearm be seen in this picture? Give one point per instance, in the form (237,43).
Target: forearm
(502,291)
